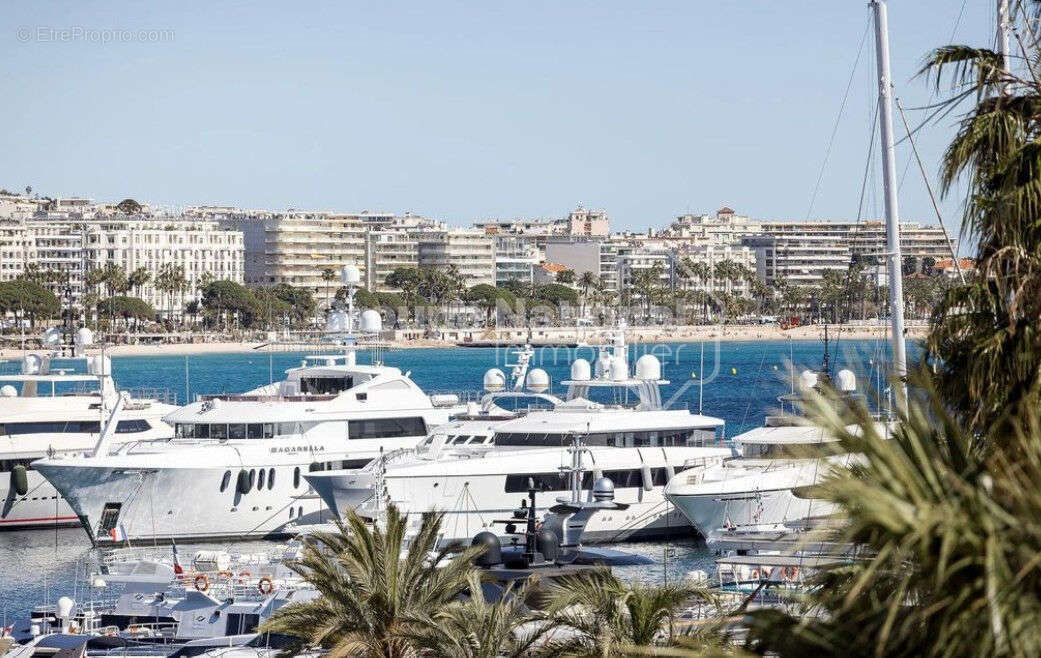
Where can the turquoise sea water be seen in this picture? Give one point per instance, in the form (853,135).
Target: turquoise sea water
(741,383)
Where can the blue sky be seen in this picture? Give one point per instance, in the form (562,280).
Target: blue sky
(465,110)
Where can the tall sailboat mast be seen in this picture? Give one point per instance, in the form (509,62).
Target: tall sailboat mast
(896,287)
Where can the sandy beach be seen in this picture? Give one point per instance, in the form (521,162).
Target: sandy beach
(634,335)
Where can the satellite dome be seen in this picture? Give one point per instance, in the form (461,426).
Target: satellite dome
(84,336)
(350,275)
(371,321)
(648,367)
(65,605)
(619,370)
(8,391)
(847,381)
(808,379)
(603,489)
(492,554)
(537,380)
(494,380)
(580,370)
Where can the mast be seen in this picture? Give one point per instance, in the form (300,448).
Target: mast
(885,115)
(1004,26)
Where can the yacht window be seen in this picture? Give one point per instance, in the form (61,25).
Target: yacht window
(376,428)
(59,427)
(225,481)
(661,477)
(270,478)
(269,430)
(316,466)
(132,426)
(789,451)
(325,385)
(202,431)
(219,432)
(237,431)
(9,464)
(296,478)
(185,431)
(461,439)
(285,429)
(260,479)
(255,431)
(518,482)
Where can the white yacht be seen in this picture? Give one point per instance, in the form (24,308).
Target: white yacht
(476,475)
(55,405)
(768,484)
(235,467)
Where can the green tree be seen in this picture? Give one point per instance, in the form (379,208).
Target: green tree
(604,616)
(29,298)
(128,207)
(328,277)
(586,282)
(224,298)
(566,277)
(374,592)
(138,279)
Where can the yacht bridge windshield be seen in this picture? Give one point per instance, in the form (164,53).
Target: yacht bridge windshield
(328,385)
(640,439)
(812,450)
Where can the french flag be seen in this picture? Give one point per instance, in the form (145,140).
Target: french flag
(118,533)
(177,568)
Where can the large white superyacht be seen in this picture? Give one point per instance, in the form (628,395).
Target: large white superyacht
(631,438)
(235,467)
(55,405)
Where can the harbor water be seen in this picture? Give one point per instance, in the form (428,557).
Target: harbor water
(737,381)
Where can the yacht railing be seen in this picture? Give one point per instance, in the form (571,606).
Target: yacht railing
(143,393)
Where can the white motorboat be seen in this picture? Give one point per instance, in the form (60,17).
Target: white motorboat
(768,484)
(630,438)
(55,405)
(235,467)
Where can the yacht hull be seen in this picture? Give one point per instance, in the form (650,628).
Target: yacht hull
(41,506)
(115,504)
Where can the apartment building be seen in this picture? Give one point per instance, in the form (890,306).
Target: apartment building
(471,251)
(801,252)
(386,251)
(72,247)
(515,259)
(588,223)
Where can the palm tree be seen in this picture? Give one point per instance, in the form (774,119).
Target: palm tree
(477,628)
(328,276)
(373,599)
(983,336)
(587,281)
(603,616)
(138,278)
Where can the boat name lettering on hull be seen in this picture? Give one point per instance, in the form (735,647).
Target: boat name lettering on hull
(296,449)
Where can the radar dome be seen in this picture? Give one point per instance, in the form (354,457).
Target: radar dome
(65,605)
(537,380)
(371,321)
(84,336)
(619,370)
(350,275)
(808,379)
(847,381)
(603,489)
(580,370)
(8,391)
(494,380)
(52,336)
(648,367)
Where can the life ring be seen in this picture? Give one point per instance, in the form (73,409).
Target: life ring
(202,583)
(265,586)
(244,574)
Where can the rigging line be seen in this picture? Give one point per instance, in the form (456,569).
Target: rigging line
(932,197)
(838,120)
